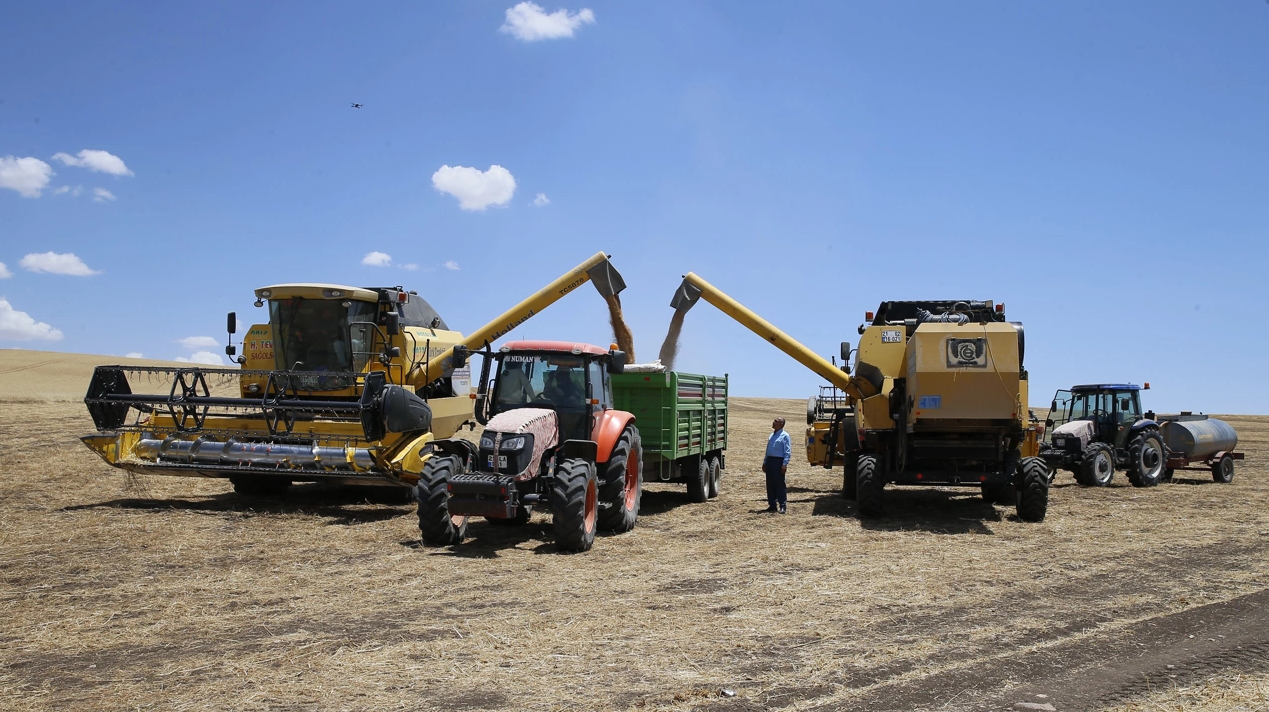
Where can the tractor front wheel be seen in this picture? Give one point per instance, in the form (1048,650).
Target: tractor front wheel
(869,487)
(1146,459)
(436,524)
(1033,489)
(622,486)
(575,495)
(1097,468)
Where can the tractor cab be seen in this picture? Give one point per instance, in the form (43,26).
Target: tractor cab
(570,379)
(1111,410)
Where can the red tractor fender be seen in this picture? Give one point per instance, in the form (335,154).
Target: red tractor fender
(608,428)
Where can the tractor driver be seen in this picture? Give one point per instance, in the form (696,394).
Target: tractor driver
(562,389)
(514,387)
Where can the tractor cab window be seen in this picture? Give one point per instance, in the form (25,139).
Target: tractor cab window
(313,334)
(1128,406)
(555,381)
(1059,412)
(598,384)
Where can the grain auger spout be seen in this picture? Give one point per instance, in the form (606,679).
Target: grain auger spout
(597,270)
(694,288)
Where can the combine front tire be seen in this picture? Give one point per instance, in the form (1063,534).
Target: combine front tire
(1097,468)
(850,475)
(1033,489)
(696,470)
(869,487)
(575,495)
(1223,470)
(715,476)
(622,484)
(1146,459)
(435,523)
(260,485)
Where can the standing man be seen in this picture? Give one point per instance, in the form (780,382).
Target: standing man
(776,463)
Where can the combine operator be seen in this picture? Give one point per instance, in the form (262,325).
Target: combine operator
(776,464)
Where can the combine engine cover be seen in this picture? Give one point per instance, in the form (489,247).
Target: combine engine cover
(965,371)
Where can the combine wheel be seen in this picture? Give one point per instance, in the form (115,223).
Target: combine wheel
(696,471)
(1146,459)
(260,486)
(1033,489)
(575,495)
(435,523)
(1097,468)
(1223,470)
(869,487)
(850,475)
(622,483)
(715,476)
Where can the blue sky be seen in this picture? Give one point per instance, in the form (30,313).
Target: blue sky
(1098,167)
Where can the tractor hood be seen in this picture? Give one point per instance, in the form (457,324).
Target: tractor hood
(1082,429)
(539,423)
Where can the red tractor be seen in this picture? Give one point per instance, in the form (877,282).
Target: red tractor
(551,439)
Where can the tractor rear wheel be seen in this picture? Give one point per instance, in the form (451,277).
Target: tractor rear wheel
(715,476)
(1167,474)
(1033,489)
(850,475)
(1097,468)
(575,498)
(696,470)
(436,524)
(1223,470)
(622,483)
(1146,459)
(869,487)
(260,485)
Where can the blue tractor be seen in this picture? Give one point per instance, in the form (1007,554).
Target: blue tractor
(1095,429)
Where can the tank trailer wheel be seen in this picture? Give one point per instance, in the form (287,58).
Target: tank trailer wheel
(1146,459)
(698,482)
(850,475)
(1223,470)
(575,495)
(260,486)
(869,487)
(1033,489)
(715,476)
(1097,468)
(435,523)
(623,483)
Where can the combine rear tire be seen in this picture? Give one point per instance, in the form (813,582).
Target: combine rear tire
(1033,489)
(575,495)
(435,523)
(260,486)
(869,487)
(1146,459)
(622,485)
(1097,468)
(715,476)
(850,475)
(1223,470)
(696,470)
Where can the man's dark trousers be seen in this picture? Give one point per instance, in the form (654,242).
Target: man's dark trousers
(777,494)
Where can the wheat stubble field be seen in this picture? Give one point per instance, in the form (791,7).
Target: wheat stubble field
(177,594)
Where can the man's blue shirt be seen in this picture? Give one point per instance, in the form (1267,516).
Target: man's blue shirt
(779,445)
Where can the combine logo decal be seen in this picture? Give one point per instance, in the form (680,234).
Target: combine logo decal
(967,353)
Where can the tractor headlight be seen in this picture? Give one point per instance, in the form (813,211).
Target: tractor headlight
(1059,441)
(486,442)
(516,443)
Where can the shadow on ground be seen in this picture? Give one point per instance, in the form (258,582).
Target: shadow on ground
(924,510)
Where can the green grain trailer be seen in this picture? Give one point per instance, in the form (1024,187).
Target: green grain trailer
(682,419)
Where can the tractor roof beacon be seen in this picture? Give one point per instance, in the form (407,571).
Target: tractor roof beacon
(552,439)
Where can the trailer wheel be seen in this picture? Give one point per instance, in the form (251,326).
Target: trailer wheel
(435,523)
(260,485)
(622,483)
(715,476)
(850,475)
(1097,468)
(575,495)
(1146,459)
(698,481)
(1223,470)
(1033,489)
(869,487)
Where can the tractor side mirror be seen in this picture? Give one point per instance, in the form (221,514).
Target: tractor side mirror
(1048,423)
(461,354)
(616,361)
(845,352)
(394,323)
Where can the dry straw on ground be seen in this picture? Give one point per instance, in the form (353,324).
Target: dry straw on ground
(176,594)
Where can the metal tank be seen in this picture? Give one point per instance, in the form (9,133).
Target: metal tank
(1200,438)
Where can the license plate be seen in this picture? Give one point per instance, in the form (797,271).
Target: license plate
(502,461)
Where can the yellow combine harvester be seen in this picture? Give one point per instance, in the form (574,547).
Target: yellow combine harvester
(938,397)
(343,384)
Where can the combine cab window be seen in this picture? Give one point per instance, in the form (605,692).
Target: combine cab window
(540,380)
(313,334)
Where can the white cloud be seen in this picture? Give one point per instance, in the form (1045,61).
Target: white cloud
(451,264)
(63,189)
(541,200)
(410,267)
(204,357)
(99,161)
(474,188)
(4,271)
(134,354)
(377,259)
(198,342)
(529,22)
(19,326)
(27,175)
(53,263)
(78,189)
(101,195)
